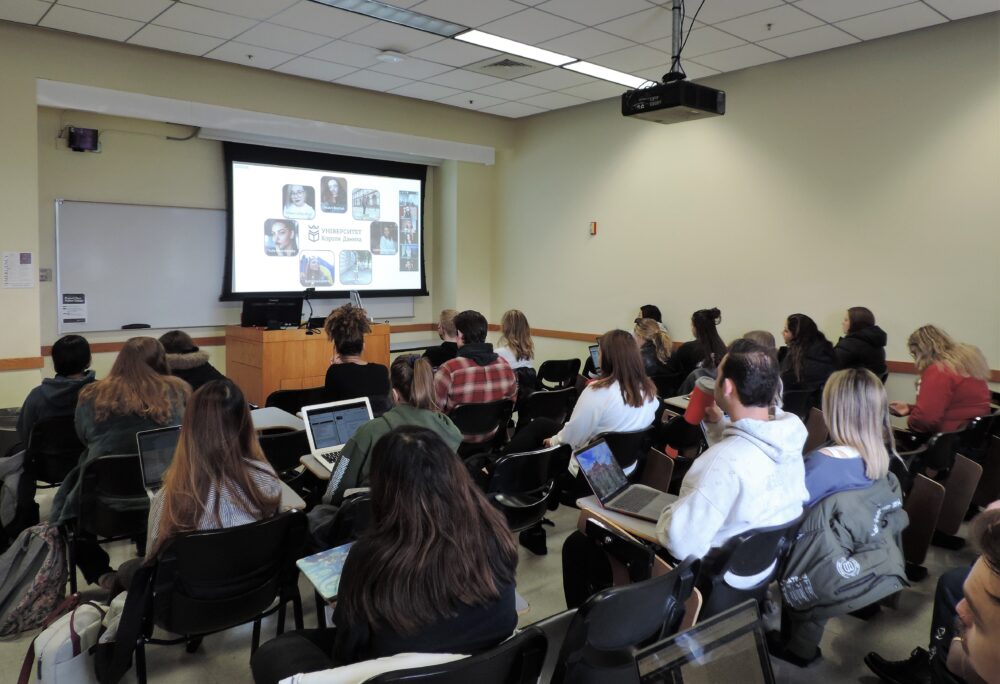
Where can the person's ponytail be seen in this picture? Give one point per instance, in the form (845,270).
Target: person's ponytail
(422,386)
(664,346)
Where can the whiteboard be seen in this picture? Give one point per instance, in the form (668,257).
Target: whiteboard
(161,266)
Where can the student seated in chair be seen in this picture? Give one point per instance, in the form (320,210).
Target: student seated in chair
(434,573)
(57,396)
(349,375)
(218,478)
(847,554)
(752,474)
(448,349)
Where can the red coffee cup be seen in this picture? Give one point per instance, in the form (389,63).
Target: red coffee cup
(702,396)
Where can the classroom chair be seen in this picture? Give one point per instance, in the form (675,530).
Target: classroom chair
(818,435)
(480,419)
(520,485)
(53,450)
(560,373)
(292,400)
(923,506)
(552,404)
(988,489)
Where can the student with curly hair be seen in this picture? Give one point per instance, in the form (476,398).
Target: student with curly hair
(350,376)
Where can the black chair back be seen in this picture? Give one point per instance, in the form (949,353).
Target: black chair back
(53,450)
(667,384)
(215,579)
(606,631)
(801,401)
(283,449)
(520,485)
(974,439)
(293,400)
(518,660)
(558,374)
(938,453)
(553,404)
(629,447)
(742,568)
(113,502)
(481,419)
(636,558)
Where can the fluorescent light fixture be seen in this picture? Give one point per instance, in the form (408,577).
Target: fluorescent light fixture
(397,15)
(606,74)
(513,47)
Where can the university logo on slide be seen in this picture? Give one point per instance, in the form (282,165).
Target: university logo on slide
(313,233)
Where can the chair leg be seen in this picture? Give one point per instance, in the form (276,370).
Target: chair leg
(320,610)
(281,616)
(71,562)
(297,610)
(140,661)
(192,644)
(255,642)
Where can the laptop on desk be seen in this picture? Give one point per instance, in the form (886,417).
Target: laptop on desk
(329,426)
(612,487)
(156,453)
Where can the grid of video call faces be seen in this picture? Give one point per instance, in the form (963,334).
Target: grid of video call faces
(322,268)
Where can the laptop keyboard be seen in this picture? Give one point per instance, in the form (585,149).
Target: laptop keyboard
(635,499)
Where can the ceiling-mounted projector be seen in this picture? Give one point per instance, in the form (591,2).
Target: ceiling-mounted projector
(673,102)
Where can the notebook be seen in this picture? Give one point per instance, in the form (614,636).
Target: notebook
(612,487)
(729,647)
(330,425)
(156,453)
(324,569)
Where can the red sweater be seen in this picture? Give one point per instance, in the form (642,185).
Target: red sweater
(946,400)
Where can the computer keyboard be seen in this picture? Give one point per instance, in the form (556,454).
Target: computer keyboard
(635,499)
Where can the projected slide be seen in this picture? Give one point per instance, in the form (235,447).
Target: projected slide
(294,228)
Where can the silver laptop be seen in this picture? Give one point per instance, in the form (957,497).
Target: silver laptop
(156,453)
(330,425)
(728,647)
(612,487)
(595,357)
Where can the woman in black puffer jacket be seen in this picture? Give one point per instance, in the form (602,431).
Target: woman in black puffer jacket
(863,343)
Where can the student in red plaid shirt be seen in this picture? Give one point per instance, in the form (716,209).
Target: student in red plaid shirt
(477,375)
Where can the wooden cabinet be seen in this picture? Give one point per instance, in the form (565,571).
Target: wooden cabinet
(262,361)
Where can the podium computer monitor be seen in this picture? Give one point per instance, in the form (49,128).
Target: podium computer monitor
(271,312)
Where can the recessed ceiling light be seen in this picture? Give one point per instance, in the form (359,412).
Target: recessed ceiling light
(396,15)
(390,57)
(606,74)
(513,47)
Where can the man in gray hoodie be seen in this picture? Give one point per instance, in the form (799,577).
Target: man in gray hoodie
(57,396)
(753,474)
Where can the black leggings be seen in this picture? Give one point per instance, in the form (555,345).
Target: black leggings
(305,650)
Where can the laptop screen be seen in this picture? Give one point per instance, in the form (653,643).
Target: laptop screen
(601,470)
(156,453)
(729,647)
(332,425)
(593,355)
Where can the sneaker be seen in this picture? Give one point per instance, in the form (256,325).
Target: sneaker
(777,647)
(914,670)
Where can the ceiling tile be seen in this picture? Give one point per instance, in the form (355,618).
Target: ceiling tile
(249,55)
(371,80)
(164,38)
(139,10)
(769,23)
(255,9)
(24,11)
(591,12)
(810,40)
(513,110)
(317,69)
(555,79)
(700,41)
(642,27)
(586,43)
(385,36)
(204,21)
(471,100)
(531,26)
(509,90)
(596,90)
(411,68)
(959,9)
(471,14)
(454,53)
(738,58)
(89,23)
(403,3)
(282,38)
(891,21)
(463,79)
(632,59)
(720,10)
(316,18)
(553,100)
(845,9)
(424,91)
(344,52)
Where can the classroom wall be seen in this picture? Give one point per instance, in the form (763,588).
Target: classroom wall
(137,165)
(865,175)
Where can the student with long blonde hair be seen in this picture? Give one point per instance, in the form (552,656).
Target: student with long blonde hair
(952,388)
(516,347)
(655,345)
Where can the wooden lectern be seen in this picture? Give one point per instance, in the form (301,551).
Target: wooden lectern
(262,361)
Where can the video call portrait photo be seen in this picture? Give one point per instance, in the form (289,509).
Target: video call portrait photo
(298,201)
(355,267)
(366,204)
(316,269)
(384,237)
(333,194)
(281,237)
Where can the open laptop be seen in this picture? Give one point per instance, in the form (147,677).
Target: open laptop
(729,647)
(612,487)
(330,425)
(156,453)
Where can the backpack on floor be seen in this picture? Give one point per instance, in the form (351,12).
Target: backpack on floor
(64,652)
(32,579)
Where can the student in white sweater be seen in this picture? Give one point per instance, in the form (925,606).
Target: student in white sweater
(753,474)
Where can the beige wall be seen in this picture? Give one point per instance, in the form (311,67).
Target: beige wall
(866,175)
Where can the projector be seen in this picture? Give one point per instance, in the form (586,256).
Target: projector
(673,102)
